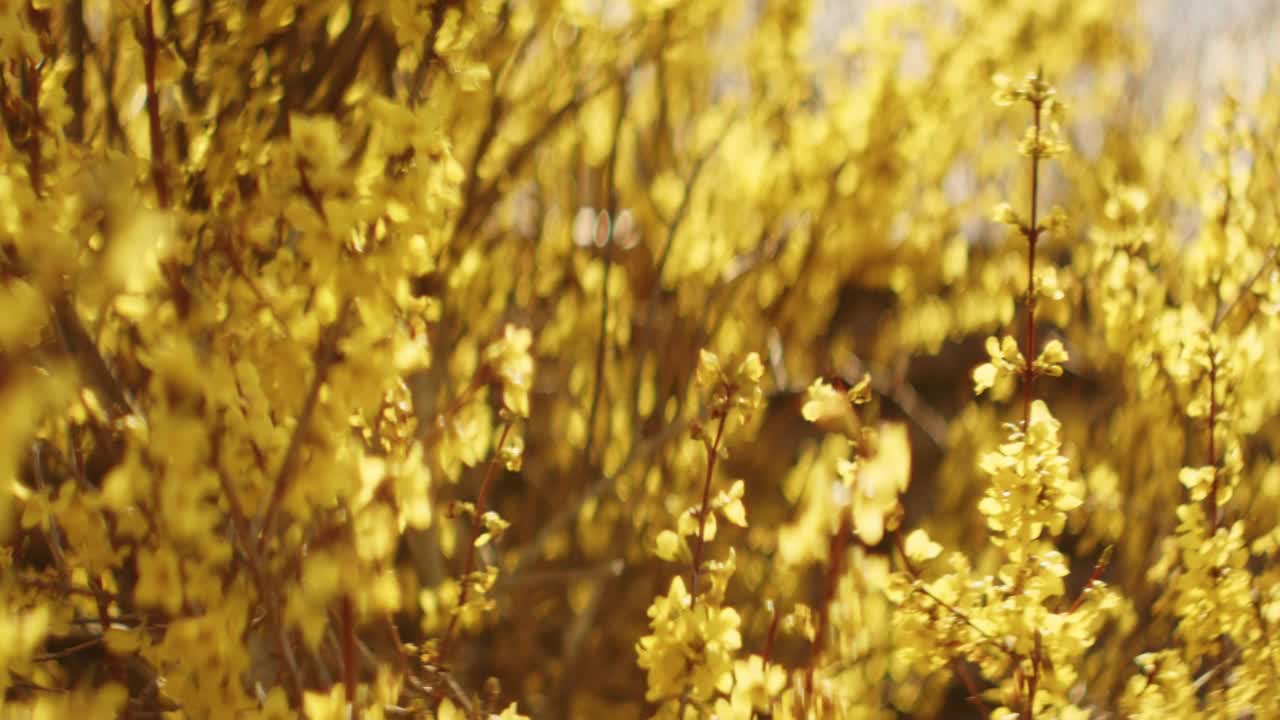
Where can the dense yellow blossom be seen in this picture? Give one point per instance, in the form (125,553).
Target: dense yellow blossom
(472,359)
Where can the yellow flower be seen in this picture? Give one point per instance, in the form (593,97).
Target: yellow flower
(1051,359)
(920,548)
(331,705)
(876,482)
(160,581)
(511,360)
(1006,361)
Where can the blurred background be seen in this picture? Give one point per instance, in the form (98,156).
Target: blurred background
(1196,47)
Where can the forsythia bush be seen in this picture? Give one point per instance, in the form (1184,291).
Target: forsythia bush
(629,358)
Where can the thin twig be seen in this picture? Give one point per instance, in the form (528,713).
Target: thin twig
(682,210)
(1246,288)
(1032,233)
(80,345)
(430,438)
(835,560)
(418,85)
(31,91)
(1098,568)
(605,484)
(240,530)
(908,399)
(325,356)
(975,696)
(699,543)
(153,108)
(485,198)
(610,211)
(347,622)
(920,587)
(68,651)
(477,523)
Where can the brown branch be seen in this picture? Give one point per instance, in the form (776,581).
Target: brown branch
(772,634)
(682,211)
(713,453)
(836,550)
(673,227)
(975,696)
(611,211)
(240,529)
(1223,312)
(430,438)
(1032,233)
(347,54)
(69,651)
(477,522)
(907,398)
(1098,568)
(324,358)
(106,62)
(153,107)
(1034,680)
(30,83)
(101,601)
(77,343)
(309,192)
(605,484)
(959,614)
(76,33)
(347,621)
(485,199)
(1213,454)
(418,86)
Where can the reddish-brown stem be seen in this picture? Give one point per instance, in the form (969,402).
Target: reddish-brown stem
(956,612)
(309,192)
(602,348)
(769,639)
(241,534)
(611,211)
(1098,568)
(393,633)
(1224,311)
(77,32)
(430,438)
(348,618)
(836,550)
(713,452)
(1223,222)
(284,649)
(31,89)
(69,651)
(477,522)
(100,595)
(1034,680)
(325,356)
(1019,682)
(975,696)
(1033,235)
(153,107)
(1213,453)
(768,648)
(418,86)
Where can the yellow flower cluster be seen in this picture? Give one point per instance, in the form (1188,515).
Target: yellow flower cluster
(472,359)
